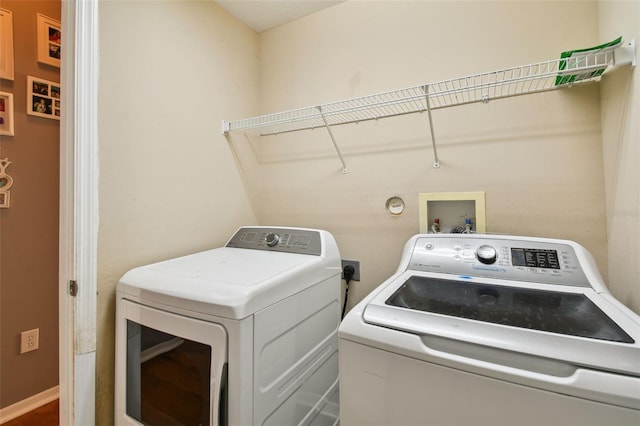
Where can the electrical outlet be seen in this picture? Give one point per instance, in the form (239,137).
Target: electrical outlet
(356,268)
(29,340)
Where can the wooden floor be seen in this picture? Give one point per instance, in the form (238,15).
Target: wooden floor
(47,415)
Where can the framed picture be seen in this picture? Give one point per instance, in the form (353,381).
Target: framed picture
(6,114)
(43,98)
(49,41)
(6,44)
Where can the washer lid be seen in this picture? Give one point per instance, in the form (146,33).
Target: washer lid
(572,324)
(227,282)
(572,314)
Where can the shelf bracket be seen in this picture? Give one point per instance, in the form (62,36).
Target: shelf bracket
(625,54)
(333,139)
(436,160)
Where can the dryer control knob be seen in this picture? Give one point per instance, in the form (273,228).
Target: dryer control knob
(272,239)
(486,254)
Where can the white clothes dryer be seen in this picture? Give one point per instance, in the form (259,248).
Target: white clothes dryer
(244,334)
(490,330)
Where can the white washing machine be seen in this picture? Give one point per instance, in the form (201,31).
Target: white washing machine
(490,330)
(244,334)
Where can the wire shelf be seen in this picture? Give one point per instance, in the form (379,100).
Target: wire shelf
(574,67)
(521,80)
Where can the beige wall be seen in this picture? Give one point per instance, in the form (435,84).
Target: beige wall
(169,73)
(538,157)
(620,93)
(29,228)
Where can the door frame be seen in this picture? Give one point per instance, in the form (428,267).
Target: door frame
(78,226)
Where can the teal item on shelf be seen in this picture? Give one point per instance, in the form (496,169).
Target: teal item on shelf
(564,78)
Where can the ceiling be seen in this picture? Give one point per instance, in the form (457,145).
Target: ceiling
(261,15)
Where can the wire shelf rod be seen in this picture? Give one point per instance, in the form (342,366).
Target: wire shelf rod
(436,160)
(333,140)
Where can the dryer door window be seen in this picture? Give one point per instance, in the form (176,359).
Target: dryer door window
(170,370)
(167,377)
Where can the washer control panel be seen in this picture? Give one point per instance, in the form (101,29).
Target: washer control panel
(287,240)
(502,258)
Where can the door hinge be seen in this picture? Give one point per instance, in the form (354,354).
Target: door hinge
(73,288)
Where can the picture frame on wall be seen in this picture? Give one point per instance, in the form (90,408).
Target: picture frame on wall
(6,44)
(43,98)
(6,114)
(49,40)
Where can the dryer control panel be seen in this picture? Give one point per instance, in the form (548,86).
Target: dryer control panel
(533,260)
(287,240)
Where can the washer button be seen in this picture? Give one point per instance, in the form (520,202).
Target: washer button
(486,254)
(272,239)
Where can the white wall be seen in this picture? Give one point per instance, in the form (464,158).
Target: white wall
(620,94)
(170,71)
(539,157)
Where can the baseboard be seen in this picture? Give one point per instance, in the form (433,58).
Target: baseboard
(29,404)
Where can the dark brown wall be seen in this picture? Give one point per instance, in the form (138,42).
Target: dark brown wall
(29,228)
